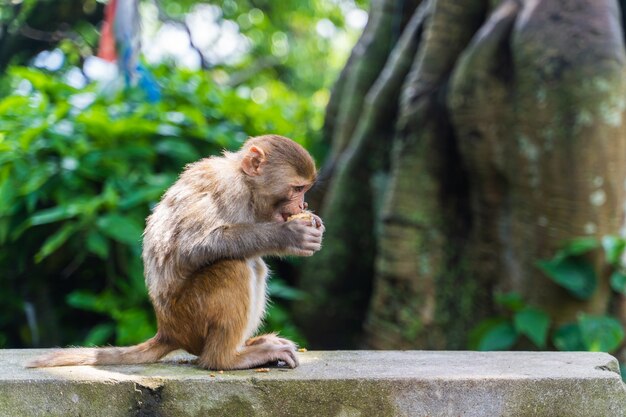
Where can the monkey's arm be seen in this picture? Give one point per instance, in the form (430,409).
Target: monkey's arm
(240,241)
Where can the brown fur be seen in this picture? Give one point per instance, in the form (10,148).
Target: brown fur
(202,257)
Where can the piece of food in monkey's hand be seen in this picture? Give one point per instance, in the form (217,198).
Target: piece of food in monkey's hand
(304,215)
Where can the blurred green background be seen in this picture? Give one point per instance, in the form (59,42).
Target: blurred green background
(83,159)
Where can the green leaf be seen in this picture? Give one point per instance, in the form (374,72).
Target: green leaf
(105,302)
(511,300)
(133,326)
(123,229)
(618,282)
(82,299)
(37,179)
(99,334)
(579,246)
(55,241)
(576,275)
(534,324)
(7,195)
(568,338)
(178,149)
(54,214)
(477,333)
(147,194)
(613,248)
(600,333)
(279,289)
(500,337)
(98,245)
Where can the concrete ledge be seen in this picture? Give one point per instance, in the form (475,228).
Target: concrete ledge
(347,383)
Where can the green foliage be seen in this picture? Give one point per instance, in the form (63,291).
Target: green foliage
(613,248)
(600,333)
(79,172)
(618,282)
(591,333)
(568,338)
(502,333)
(534,324)
(81,168)
(501,336)
(574,274)
(570,269)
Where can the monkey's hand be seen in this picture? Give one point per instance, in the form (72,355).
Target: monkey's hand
(302,238)
(318,223)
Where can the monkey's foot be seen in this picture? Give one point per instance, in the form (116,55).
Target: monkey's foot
(270,338)
(271,349)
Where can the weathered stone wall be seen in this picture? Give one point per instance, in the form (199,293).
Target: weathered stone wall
(347,383)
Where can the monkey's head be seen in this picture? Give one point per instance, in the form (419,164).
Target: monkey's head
(279,173)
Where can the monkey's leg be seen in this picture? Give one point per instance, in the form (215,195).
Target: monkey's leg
(233,316)
(233,357)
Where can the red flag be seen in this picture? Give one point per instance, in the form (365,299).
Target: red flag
(106,50)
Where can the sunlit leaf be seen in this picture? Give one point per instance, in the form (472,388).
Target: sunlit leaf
(613,248)
(579,246)
(133,324)
(600,333)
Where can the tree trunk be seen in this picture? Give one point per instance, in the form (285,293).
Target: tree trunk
(420,296)
(509,140)
(349,208)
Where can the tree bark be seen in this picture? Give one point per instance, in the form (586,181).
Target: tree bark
(418,270)
(354,193)
(509,140)
(545,148)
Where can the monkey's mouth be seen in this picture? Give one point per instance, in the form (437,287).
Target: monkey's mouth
(281,217)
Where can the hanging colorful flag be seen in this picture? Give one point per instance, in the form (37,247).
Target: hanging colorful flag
(121,42)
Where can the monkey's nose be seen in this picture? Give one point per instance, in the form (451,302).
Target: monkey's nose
(304,206)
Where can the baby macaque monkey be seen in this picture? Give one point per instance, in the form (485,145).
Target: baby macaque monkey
(202,252)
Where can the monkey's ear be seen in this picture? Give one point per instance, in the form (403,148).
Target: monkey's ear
(253,161)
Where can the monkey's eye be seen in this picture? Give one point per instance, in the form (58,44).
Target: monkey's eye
(298,188)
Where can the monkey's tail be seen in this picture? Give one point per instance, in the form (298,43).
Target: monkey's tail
(149,351)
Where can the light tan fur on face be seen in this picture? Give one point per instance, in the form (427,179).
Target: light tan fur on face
(202,254)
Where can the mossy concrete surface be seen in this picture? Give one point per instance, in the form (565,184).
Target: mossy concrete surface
(345,383)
